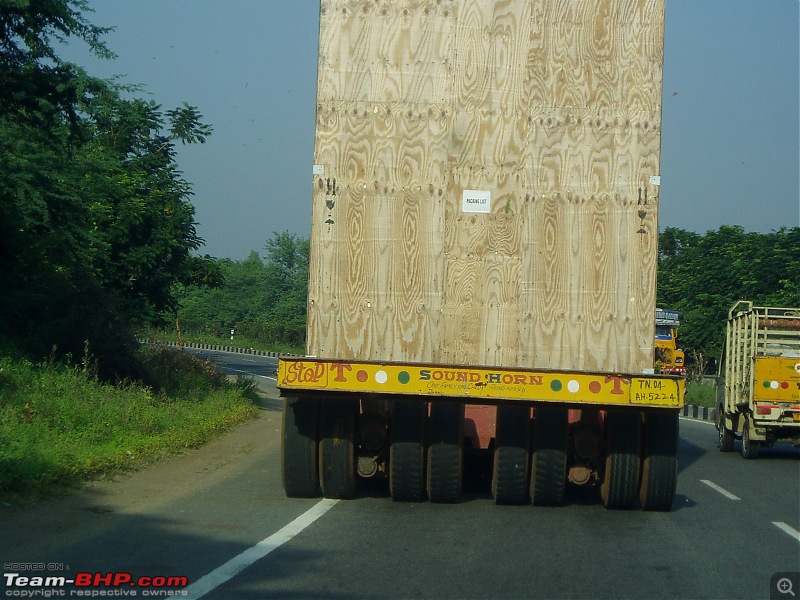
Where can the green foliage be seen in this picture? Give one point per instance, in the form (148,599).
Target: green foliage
(264,301)
(96,231)
(702,276)
(287,264)
(187,126)
(96,226)
(59,425)
(36,86)
(700,394)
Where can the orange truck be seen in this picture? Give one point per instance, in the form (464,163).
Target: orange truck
(483,254)
(758,399)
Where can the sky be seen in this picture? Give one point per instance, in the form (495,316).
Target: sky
(730,147)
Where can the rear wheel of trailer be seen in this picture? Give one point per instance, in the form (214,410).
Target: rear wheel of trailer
(299,447)
(659,476)
(407,451)
(620,487)
(445,451)
(511,454)
(549,457)
(337,455)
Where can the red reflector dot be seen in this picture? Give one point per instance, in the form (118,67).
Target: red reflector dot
(362,376)
(785,385)
(595,387)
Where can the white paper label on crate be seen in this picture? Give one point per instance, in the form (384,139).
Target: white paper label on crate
(655,179)
(318,170)
(476,201)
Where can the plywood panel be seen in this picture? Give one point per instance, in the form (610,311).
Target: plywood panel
(552,108)
(385,51)
(376,289)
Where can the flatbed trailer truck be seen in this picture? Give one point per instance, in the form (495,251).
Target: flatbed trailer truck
(483,254)
(758,400)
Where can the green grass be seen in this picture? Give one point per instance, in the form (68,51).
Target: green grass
(59,426)
(700,394)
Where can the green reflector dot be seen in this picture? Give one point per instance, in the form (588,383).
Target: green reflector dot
(767,384)
(555,385)
(404,377)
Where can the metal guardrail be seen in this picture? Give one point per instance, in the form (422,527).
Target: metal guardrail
(219,348)
(700,413)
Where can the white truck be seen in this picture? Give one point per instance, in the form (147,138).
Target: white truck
(759,399)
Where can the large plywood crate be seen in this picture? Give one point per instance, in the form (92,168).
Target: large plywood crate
(486,182)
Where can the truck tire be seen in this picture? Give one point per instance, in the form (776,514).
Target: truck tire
(659,480)
(445,451)
(549,459)
(725,442)
(299,447)
(620,487)
(511,454)
(337,460)
(750,447)
(407,451)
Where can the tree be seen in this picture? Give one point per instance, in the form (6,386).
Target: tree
(287,263)
(36,86)
(95,220)
(703,275)
(263,299)
(241,300)
(141,213)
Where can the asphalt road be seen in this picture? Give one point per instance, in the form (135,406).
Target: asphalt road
(218,516)
(260,368)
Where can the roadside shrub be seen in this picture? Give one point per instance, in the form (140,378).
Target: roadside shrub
(174,372)
(700,394)
(59,424)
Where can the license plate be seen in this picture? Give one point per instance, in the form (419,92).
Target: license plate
(796,417)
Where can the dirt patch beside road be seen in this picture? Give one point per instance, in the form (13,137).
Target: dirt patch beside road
(174,480)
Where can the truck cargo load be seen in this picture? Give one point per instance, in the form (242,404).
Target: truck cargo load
(485,195)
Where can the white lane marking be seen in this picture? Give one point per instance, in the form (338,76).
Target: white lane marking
(721,490)
(788,529)
(253,374)
(250,374)
(239,563)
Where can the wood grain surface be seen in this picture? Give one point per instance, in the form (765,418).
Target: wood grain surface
(553,108)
